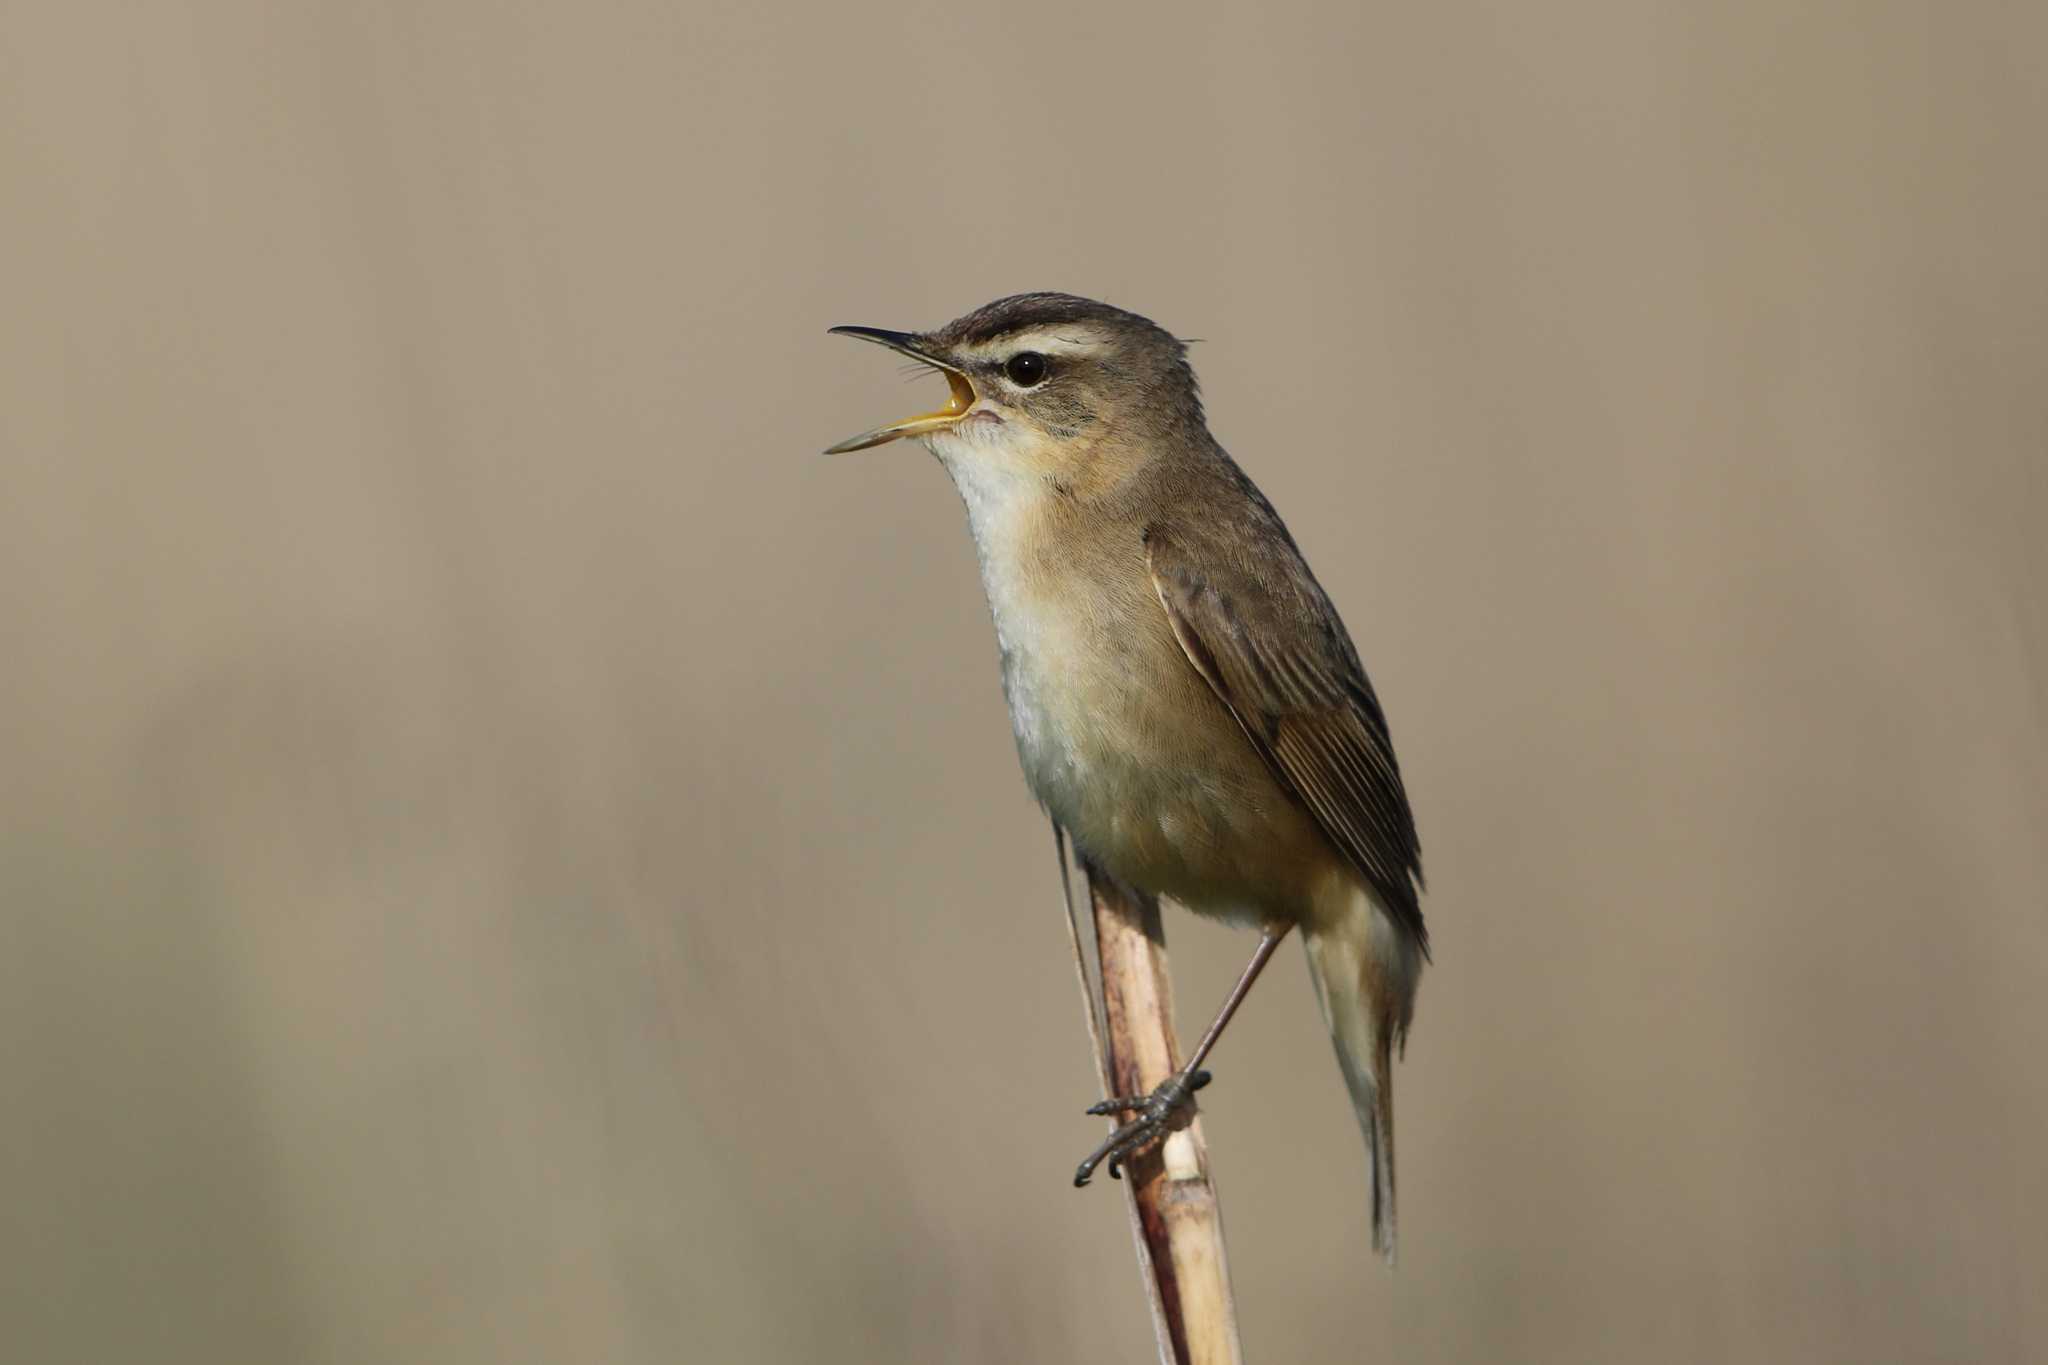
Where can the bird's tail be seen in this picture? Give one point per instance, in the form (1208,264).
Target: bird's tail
(1365,969)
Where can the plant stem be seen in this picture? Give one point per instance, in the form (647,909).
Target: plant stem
(1174,1215)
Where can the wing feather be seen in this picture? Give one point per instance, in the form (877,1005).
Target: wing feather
(1277,657)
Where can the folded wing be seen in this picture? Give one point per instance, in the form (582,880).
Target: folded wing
(1273,649)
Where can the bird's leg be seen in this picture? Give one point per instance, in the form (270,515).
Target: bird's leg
(1171,1103)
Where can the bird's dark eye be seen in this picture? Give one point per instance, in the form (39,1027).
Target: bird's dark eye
(1025,368)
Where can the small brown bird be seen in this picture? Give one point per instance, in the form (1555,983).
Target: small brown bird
(1187,704)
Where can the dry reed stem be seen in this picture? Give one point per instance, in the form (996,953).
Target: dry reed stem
(1175,1219)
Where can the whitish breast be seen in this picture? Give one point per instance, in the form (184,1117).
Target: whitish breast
(1118,736)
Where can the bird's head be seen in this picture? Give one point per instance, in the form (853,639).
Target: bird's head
(1048,385)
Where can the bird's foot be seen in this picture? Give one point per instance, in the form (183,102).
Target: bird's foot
(1168,1107)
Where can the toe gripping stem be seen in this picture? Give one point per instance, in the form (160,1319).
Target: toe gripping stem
(1168,1107)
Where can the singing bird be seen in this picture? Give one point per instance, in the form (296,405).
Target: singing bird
(1187,704)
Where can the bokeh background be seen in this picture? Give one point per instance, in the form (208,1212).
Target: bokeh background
(506,854)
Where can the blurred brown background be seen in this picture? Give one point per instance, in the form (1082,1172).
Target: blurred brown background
(508,855)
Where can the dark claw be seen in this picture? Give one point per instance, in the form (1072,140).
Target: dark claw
(1156,1115)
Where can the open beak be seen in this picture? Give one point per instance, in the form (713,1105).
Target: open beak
(957,403)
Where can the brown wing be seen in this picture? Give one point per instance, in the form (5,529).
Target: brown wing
(1272,647)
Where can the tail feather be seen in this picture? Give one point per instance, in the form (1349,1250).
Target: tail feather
(1365,968)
